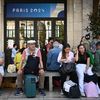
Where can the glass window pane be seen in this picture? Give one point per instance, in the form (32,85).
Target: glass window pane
(10,43)
(28,34)
(44,28)
(32,33)
(10,29)
(59,29)
(10,24)
(10,33)
(30,25)
(22,29)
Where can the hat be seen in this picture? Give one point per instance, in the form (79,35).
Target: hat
(31,41)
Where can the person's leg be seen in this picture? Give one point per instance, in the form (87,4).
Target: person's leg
(1,79)
(73,77)
(80,68)
(1,76)
(19,80)
(63,79)
(19,83)
(41,81)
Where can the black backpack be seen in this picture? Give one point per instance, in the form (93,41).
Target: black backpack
(74,92)
(32,65)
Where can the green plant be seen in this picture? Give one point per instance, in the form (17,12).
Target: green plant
(94,25)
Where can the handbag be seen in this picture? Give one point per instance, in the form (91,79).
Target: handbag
(67,68)
(11,68)
(71,89)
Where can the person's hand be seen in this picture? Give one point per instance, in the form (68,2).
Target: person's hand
(1,61)
(77,51)
(63,60)
(86,69)
(19,71)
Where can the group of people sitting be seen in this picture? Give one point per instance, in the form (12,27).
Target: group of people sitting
(56,54)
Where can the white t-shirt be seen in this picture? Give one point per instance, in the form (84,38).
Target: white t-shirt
(70,58)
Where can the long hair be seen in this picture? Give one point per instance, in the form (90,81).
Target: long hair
(63,50)
(85,54)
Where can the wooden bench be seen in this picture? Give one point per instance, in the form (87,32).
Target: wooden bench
(10,74)
(50,75)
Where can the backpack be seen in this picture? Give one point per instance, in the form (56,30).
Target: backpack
(32,65)
(88,87)
(71,89)
(74,92)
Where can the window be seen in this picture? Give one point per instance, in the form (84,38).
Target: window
(10,29)
(59,30)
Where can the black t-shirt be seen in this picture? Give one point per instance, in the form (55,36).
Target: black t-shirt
(83,58)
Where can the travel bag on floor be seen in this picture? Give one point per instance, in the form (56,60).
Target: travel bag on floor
(91,89)
(71,89)
(30,86)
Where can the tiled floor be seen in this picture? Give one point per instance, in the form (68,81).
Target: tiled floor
(9,95)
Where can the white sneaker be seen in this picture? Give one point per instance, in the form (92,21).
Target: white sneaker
(83,94)
(61,92)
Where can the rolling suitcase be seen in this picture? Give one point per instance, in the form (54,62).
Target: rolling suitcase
(30,86)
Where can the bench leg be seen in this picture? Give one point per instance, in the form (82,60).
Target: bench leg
(50,84)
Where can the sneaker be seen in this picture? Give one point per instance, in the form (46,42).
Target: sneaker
(83,94)
(17,93)
(61,92)
(0,92)
(42,92)
(21,91)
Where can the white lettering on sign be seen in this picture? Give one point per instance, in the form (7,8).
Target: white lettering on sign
(26,10)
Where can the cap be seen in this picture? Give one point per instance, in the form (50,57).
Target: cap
(31,41)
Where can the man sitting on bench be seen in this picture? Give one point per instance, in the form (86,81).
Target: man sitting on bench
(29,52)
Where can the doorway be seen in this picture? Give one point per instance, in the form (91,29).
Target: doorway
(20,31)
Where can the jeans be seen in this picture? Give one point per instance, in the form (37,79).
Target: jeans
(80,69)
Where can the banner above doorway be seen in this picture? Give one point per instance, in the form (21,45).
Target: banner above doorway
(35,10)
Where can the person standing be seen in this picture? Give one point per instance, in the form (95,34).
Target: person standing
(45,49)
(14,51)
(50,44)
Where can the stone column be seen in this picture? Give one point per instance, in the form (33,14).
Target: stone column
(87,9)
(77,23)
(1,25)
(74,22)
(70,20)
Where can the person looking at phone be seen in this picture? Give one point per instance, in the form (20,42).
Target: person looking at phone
(66,56)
